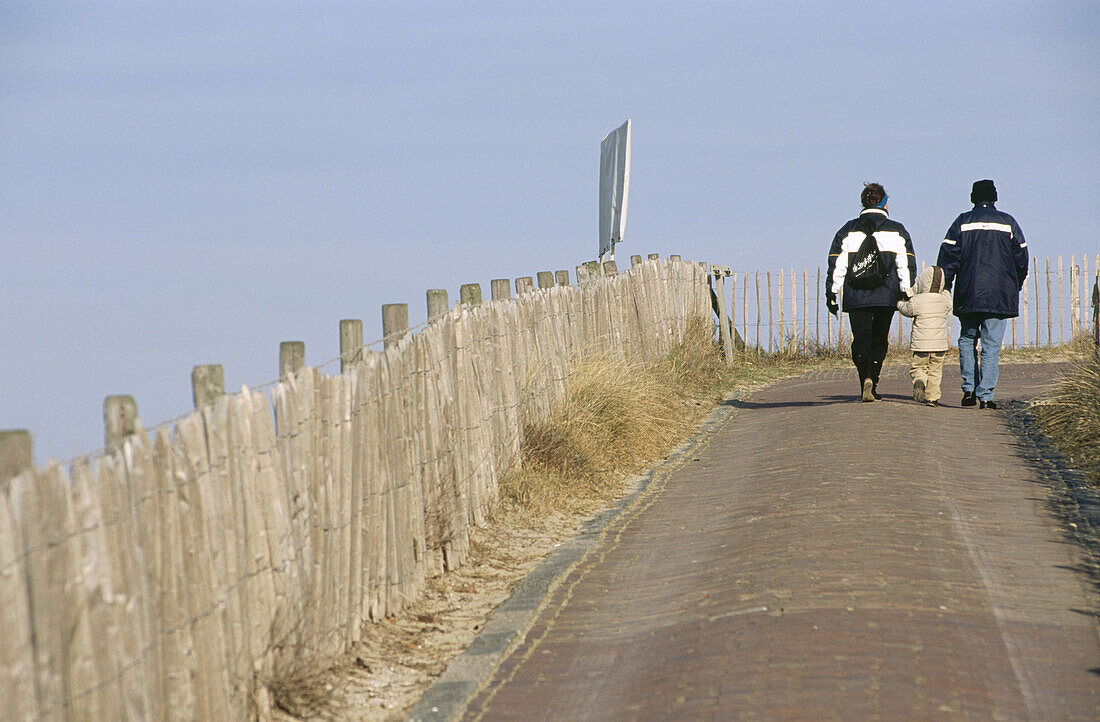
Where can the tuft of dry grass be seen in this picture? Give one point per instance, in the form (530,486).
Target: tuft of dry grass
(619,417)
(1070,415)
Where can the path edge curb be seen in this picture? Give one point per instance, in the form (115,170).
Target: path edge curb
(470,670)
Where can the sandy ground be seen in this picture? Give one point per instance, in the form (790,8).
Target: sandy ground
(400,658)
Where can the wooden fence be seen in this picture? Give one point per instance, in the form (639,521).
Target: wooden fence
(180,572)
(785,309)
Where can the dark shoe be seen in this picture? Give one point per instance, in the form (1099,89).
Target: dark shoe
(969,399)
(867,394)
(874,390)
(918,391)
(932,403)
(991,404)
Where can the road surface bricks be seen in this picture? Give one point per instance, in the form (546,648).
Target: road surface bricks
(820,558)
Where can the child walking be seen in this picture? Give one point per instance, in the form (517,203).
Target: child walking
(928,305)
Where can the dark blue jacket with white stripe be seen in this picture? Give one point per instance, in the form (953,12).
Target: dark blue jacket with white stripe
(896,248)
(984,261)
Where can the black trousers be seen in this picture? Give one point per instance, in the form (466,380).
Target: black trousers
(870,339)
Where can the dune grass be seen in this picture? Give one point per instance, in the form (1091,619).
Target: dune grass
(1070,414)
(619,418)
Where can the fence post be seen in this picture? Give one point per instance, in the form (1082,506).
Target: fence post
(395,321)
(351,343)
(1061,305)
(582,275)
(119,418)
(1096,312)
(292,358)
(500,289)
(438,303)
(654,256)
(562,277)
(745,309)
(719,274)
(1074,298)
(610,269)
(635,261)
(207,384)
(817,313)
(782,321)
(1050,320)
(733,314)
(524,284)
(16,453)
(545,279)
(1024,319)
(771,321)
(1038,301)
(469,294)
(758,311)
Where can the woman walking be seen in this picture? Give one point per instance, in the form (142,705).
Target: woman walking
(869,299)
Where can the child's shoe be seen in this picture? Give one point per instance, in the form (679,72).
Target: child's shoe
(918,391)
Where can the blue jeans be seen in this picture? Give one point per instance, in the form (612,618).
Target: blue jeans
(980,375)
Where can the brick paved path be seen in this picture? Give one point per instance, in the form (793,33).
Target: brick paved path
(782,574)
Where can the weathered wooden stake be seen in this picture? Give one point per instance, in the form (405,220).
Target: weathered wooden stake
(500,289)
(207,384)
(438,303)
(1074,298)
(395,321)
(524,284)
(470,294)
(771,321)
(719,275)
(654,256)
(583,276)
(351,343)
(1096,312)
(635,261)
(745,309)
(1061,305)
(610,269)
(119,418)
(782,329)
(758,311)
(292,358)
(562,277)
(1050,322)
(545,279)
(674,257)
(16,453)
(817,313)
(1024,319)
(1038,303)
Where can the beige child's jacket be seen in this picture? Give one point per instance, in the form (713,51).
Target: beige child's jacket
(928,306)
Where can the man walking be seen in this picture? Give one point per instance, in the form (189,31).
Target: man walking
(984,257)
(870,308)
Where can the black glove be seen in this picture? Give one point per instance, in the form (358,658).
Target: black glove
(831,305)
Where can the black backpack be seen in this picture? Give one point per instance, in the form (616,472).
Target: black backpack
(867,268)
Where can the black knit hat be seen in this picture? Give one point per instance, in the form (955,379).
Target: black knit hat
(983,191)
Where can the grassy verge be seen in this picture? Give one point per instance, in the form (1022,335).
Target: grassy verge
(619,418)
(1070,415)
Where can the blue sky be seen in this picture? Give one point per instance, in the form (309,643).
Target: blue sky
(188,183)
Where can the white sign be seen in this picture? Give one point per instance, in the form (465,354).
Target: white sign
(614,187)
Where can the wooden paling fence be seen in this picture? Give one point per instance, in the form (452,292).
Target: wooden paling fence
(180,573)
(784,310)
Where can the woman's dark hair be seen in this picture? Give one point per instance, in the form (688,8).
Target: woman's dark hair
(872,195)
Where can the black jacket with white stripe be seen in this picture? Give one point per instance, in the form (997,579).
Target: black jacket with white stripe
(894,244)
(984,261)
